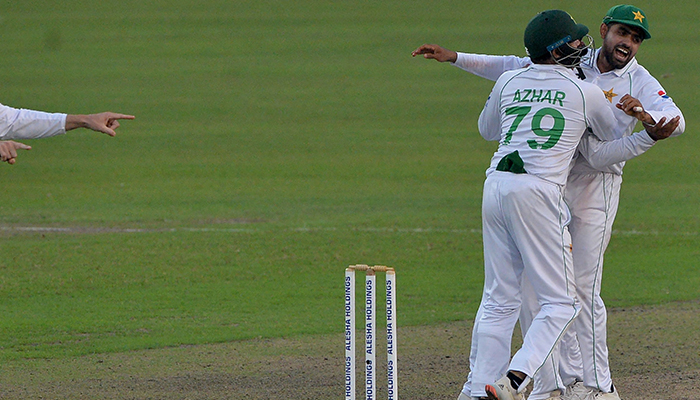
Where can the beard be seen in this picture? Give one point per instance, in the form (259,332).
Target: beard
(616,56)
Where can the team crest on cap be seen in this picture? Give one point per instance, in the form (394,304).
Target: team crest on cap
(638,16)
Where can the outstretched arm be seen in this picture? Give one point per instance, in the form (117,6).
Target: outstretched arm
(484,66)
(18,123)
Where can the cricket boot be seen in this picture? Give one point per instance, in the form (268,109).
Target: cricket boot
(502,390)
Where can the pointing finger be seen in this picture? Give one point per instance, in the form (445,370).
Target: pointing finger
(124,116)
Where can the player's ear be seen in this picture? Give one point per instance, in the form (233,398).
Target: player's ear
(603,30)
(556,54)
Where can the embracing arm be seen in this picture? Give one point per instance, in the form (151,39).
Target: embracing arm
(601,154)
(484,66)
(489,67)
(29,124)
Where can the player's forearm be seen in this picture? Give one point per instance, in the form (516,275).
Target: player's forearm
(601,154)
(668,113)
(74,121)
(488,66)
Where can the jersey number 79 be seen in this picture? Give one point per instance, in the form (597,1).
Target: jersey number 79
(552,135)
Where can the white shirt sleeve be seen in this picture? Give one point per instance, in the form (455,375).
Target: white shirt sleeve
(658,104)
(28,124)
(600,154)
(599,145)
(490,117)
(489,67)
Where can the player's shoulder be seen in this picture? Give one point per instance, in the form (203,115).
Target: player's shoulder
(643,82)
(574,82)
(589,92)
(638,69)
(508,75)
(641,75)
(637,72)
(587,87)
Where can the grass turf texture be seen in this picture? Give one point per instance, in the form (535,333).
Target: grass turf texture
(274,145)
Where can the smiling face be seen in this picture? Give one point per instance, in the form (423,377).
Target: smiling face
(620,45)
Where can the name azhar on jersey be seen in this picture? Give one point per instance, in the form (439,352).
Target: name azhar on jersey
(552,96)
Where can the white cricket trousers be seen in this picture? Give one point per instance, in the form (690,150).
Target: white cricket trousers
(565,365)
(524,232)
(593,199)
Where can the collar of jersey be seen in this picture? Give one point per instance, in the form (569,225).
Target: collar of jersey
(552,67)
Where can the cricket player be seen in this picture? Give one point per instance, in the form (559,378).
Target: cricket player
(593,189)
(539,114)
(29,124)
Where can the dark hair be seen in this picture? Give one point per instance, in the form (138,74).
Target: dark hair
(543,59)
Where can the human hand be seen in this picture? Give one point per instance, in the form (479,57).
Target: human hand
(8,150)
(106,122)
(633,107)
(435,52)
(661,130)
(656,130)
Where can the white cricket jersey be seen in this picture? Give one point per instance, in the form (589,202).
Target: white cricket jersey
(542,111)
(28,124)
(633,79)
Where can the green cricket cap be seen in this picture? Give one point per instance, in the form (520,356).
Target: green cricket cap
(628,15)
(549,30)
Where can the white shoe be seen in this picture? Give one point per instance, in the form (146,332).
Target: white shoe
(463,396)
(606,396)
(555,395)
(577,391)
(502,390)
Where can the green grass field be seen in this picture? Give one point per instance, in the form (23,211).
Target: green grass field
(276,143)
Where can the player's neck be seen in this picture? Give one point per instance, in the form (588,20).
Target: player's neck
(603,65)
